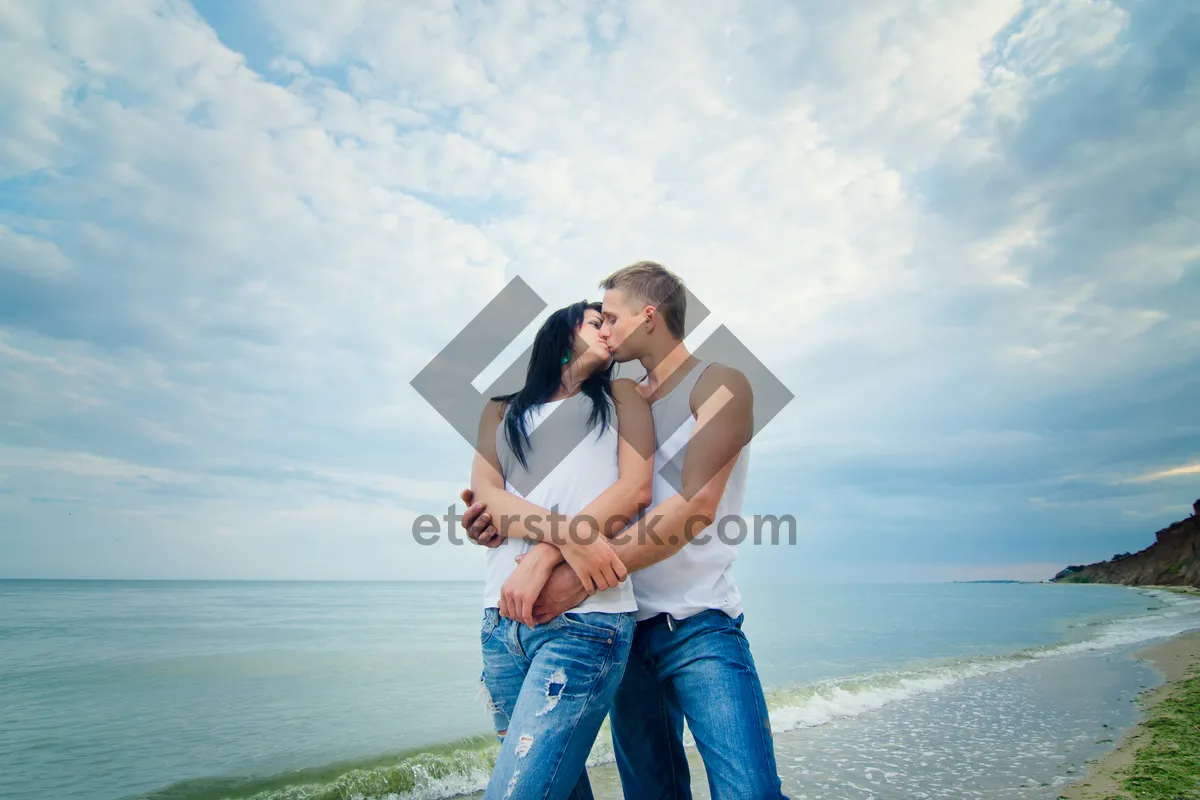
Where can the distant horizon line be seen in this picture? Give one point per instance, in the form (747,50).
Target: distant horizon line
(457,580)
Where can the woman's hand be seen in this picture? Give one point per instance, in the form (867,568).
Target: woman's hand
(595,562)
(520,591)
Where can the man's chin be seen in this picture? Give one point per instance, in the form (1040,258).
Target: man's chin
(617,358)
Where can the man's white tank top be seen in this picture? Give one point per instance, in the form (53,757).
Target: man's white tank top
(581,477)
(699,576)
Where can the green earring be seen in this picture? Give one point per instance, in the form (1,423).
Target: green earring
(566,357)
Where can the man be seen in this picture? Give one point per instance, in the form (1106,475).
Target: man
(689,659)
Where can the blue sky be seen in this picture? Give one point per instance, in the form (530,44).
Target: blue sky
(964,234)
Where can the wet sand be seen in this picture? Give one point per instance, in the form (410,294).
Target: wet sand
(1172,658)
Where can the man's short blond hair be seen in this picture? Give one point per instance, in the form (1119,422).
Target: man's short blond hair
(655,285)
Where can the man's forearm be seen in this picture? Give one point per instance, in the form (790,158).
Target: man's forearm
(662,532)
(564,590)
(659,539)
(659,535)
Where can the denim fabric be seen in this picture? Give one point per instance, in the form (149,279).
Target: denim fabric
(698,668)
(550,688)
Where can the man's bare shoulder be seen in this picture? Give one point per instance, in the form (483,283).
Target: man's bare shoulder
(717,376)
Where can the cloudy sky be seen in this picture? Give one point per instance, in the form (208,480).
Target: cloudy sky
(965,233)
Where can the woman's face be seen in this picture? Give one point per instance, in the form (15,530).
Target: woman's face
(590,343)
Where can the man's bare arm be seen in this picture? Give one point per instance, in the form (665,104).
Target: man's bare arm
(724,425)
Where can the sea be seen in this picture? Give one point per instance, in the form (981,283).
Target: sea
(316,691)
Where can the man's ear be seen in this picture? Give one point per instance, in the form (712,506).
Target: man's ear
(651,315)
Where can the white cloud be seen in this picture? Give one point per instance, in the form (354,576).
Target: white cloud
(85,465)
(1162,474)
(1058,34)
(249,268)
(28,253)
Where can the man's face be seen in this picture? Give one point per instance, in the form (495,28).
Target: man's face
(622,327)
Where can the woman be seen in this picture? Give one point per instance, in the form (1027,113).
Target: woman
(568,443)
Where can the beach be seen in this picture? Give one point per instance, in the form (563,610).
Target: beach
(1006,730)
(1176,659)
(287,690)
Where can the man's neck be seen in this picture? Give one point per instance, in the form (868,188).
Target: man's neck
(662,363)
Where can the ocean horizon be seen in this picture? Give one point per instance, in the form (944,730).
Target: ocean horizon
(290,689)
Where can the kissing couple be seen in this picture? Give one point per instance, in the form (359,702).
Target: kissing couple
(604,593)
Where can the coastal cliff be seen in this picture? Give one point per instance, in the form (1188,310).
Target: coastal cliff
(1173,560)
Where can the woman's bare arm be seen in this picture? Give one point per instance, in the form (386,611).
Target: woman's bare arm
(609,513)
(618,505)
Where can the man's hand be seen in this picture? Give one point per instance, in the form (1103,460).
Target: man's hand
(562,592)
(478,523)
(523,586)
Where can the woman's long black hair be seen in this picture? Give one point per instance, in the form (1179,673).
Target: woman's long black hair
(554,340)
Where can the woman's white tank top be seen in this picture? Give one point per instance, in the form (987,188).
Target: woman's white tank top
(588,468)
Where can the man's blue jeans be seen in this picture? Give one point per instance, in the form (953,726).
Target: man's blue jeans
(700,669)
(550,688)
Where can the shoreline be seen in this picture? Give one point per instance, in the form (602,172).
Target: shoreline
(1174,659)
